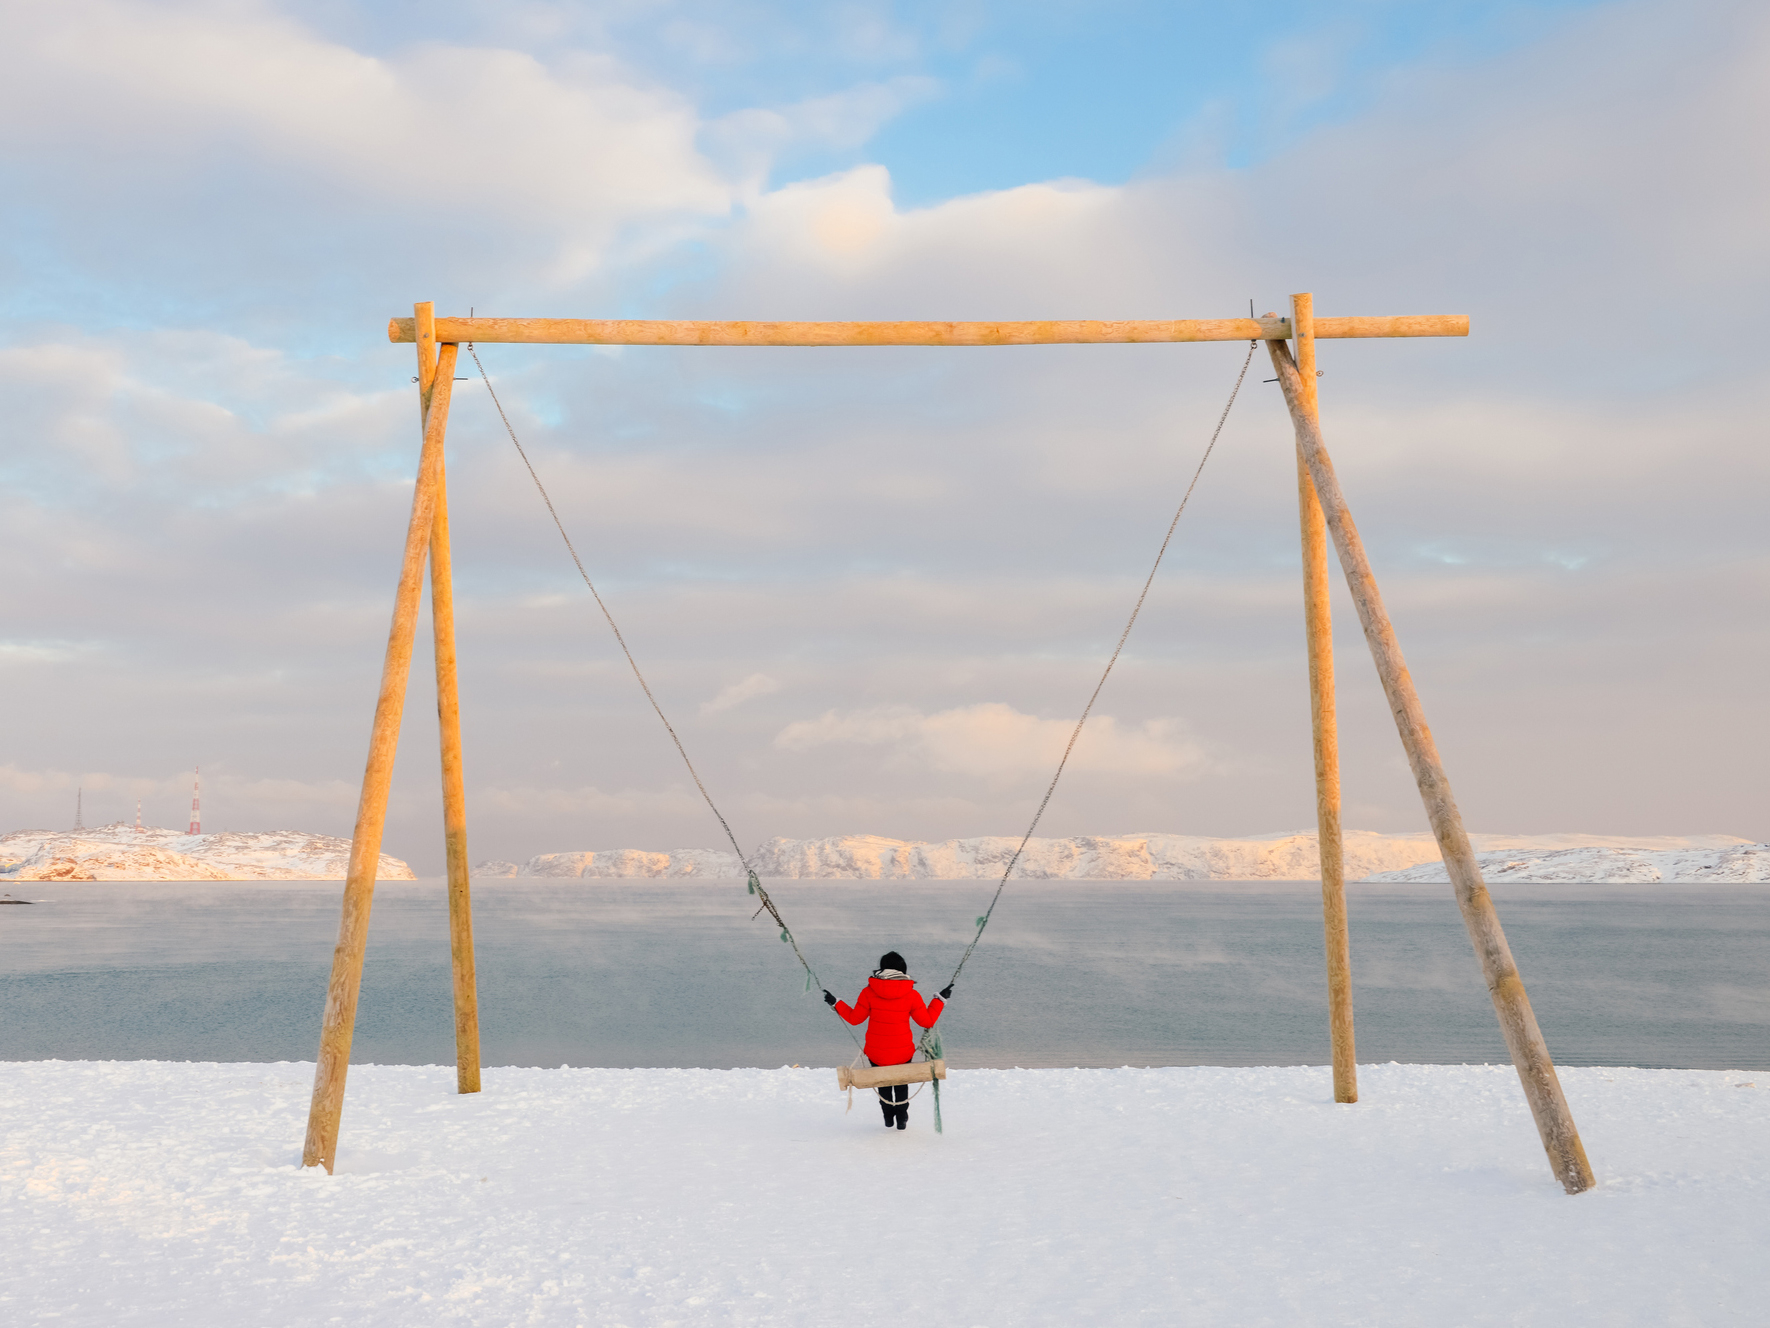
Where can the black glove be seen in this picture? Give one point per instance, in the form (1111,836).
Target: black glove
(946,992)
(829,999)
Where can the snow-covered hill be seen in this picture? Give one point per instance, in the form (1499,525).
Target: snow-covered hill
(613,863)
(1293,856)
(119,852)
(1738,862)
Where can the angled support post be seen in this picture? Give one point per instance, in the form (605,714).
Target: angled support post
(1319,624)
(448,714)
(339,1022)
(1530,1054)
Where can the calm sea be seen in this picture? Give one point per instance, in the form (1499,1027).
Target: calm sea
(650,974)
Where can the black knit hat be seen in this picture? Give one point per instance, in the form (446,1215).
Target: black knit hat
(892,959)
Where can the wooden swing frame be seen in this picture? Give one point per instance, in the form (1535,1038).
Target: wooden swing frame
(1322,513)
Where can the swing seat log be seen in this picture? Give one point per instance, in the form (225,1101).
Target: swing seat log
(879,1076)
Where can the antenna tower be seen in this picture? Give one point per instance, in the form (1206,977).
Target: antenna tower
(138,829)
(80,809)
(196,805)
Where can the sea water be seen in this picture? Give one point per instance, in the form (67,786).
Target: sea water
(637,973)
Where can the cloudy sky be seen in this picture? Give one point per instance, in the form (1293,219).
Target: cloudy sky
(873,587)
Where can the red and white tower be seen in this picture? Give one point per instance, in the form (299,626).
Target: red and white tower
(196,805)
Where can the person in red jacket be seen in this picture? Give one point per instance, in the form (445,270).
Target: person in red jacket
(886,1007)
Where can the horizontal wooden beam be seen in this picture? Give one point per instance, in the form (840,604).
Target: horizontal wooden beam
(650,332)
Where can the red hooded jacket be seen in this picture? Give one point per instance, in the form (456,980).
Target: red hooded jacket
(886,1007)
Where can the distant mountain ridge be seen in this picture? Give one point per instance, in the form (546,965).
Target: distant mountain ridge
(1369,855)
(118,852)
(1734,864)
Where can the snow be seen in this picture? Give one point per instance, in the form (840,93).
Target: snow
(150,1193)
(1288,856)
(120,852)
(623,863)
(1740,862)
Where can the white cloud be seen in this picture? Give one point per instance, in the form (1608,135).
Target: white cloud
(757,684)
(1597,174)
(205,528)
(264,803)
(994,741)
(847,225)
(196,418)
(575,149)
(573,804)
(842,120)
(567,152)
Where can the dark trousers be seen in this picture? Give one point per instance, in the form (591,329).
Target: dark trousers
(894,1099)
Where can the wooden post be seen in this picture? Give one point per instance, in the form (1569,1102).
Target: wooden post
(448,713)
(1530,1054)
(339,1023)
(1318,618)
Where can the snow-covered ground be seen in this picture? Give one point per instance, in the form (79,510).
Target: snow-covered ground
(150,1193)
(1286,856)
(120,852)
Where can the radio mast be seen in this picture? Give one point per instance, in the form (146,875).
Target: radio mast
(79,809)
(196,805)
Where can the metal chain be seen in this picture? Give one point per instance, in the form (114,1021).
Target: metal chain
(1076,733)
